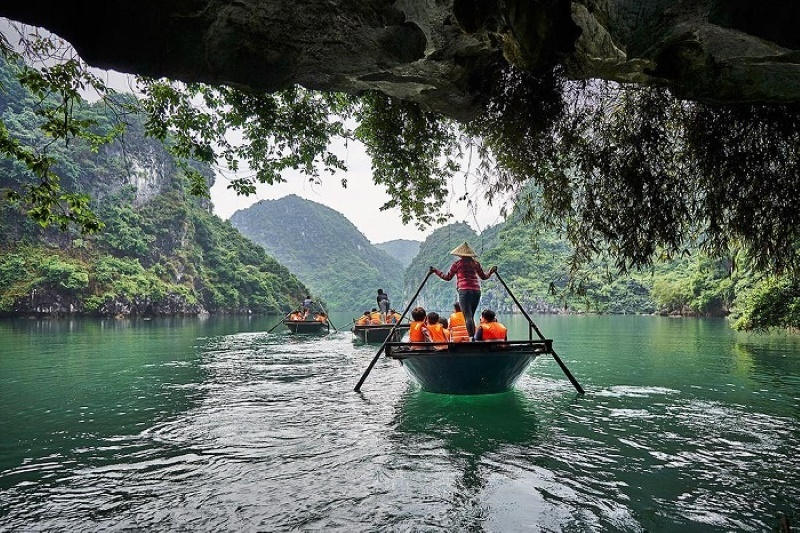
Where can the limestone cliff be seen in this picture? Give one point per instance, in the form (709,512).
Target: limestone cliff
(439,53)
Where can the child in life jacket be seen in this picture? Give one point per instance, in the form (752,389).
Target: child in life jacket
(458,325)
(437,332)
(417,331)
(490,329)
(363,320)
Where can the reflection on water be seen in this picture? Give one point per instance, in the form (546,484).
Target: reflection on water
(217,425)
(467,425)
(475,432)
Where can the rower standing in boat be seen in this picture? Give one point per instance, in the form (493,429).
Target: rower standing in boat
(469,273)
(308,304)
(383,304)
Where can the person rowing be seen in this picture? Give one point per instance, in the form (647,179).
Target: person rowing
(469,272)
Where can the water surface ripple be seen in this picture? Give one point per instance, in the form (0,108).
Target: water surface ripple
(220,426)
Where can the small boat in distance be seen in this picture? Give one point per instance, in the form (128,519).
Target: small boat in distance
(377,333)
(487,367)
(307,326)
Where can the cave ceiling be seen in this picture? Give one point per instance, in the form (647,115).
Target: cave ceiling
(442,54)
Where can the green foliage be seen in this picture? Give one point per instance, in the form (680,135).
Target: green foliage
(412,155)
(125,234)
(166,249)
(324,249)
(63,275)
(288,129)
(14,278)
(769,303)
(53,92)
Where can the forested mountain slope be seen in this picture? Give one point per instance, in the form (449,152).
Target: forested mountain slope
(161,251)
(324,249)
(404,250)
(535,266)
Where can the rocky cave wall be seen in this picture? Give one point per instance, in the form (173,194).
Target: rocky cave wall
(439,53)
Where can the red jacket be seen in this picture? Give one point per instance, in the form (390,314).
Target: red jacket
(468,271)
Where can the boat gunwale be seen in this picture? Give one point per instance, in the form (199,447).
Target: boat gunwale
(404,350)
(305,327)
(370,327)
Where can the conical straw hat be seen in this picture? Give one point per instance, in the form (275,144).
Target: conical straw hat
(464,251)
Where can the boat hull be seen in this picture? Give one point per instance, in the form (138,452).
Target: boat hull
(378,333)
(306,326)
(468,368)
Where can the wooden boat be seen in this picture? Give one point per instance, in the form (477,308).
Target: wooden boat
(467,367)
(378,333)
(307,326)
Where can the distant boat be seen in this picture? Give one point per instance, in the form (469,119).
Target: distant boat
(467,367)
(306,326)
(378,333)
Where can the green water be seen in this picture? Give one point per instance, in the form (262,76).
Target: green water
(217,425)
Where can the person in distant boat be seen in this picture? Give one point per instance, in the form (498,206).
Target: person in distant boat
(458,326)
(490,329)
(469,273)
(375,317)
(296,315)
(383,304)
(322,317)
(436,331)
(393,317)
(363,320)
(417,331)
(308,303)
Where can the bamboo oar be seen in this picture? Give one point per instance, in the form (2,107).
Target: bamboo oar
(329,319)
(541,337)
(279,323)
(390,336)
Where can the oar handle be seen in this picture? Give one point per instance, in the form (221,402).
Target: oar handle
(390,335)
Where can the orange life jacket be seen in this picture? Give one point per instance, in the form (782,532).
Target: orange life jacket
(439,333)
(415,333)
(493,331)
(363,320)
(458,327)
(375,318)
